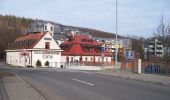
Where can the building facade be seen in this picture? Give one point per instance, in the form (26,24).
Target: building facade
(28,50)
(41,27)
(110,43)
(153,47)
(83,49)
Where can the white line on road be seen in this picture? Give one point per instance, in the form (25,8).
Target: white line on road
(83,82)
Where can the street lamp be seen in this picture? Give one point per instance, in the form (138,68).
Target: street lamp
(117,46)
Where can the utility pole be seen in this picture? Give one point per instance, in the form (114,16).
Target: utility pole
(117,46)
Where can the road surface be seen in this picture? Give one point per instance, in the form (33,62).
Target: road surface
(75,85)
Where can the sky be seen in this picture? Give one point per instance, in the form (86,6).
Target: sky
(135,17)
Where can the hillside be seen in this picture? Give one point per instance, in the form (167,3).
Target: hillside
(97,33)
(12,27)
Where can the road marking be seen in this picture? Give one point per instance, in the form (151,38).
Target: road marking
(83,82)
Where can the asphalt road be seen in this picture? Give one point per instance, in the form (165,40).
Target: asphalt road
(73,85)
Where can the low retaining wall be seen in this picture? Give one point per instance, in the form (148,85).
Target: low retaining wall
(84,67)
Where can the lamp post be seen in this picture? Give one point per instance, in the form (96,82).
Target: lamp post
(117,46)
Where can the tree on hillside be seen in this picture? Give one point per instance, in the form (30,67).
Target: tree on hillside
(11,27)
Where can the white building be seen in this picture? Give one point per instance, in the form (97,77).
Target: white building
(153,47)
(84,49)
(110,44)
(41,27)
(27,50)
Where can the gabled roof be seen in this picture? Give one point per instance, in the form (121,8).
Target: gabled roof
(35,36)
(26,41)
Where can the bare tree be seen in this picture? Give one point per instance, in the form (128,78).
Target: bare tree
(163,34)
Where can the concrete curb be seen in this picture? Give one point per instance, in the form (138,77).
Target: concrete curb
(136,79)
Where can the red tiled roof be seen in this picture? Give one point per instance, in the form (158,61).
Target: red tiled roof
(26,41)
(36,36)
(74,47)
(75,50)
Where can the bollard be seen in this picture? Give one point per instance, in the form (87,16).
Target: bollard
(139,66)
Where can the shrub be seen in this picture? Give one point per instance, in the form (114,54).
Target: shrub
(38,64)
(47,63)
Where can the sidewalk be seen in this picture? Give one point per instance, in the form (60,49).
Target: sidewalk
(3,93)
(162,80)
(18,89)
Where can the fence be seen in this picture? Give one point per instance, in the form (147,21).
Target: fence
(101,64)
(157,68)
(129,66)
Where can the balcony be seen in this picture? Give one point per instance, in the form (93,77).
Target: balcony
(151,50)
(159,46)
(159,50)
(151,46)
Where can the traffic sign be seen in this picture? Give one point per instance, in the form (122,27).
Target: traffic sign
(117,45)
(102,49)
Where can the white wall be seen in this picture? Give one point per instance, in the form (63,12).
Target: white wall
(63,58)
(53,55)
(53,59)
(97,58)
(15,59)
(41,43)
(84,67)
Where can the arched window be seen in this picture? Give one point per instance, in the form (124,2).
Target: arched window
(91,59)
(106,59)
(86,59)
(67,59)
(51,28)
(45,27)
(71,59)
(99,59)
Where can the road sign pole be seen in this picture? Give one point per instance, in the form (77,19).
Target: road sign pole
(102,53)
(116,65)
(25,60)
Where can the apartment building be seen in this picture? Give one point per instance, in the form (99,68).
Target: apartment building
(153,47)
